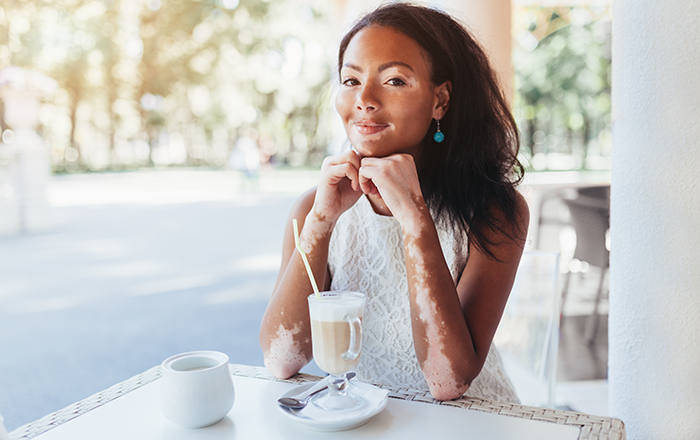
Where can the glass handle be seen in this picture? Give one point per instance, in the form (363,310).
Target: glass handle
(355,337)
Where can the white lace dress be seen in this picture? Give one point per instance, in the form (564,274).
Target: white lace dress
(366,255)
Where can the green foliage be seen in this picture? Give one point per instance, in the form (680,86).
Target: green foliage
(562,105)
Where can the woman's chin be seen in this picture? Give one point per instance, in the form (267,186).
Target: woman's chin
(357,151)
(370,147)
(363,151)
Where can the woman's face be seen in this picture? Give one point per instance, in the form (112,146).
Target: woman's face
(386,98)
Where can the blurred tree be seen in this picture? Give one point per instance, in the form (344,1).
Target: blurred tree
(71,41)
(230,67)
(563,86)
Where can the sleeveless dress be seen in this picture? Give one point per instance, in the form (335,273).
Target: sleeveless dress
(366,255)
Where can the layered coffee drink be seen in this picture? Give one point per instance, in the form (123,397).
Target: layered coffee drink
(336,336)
(331,339)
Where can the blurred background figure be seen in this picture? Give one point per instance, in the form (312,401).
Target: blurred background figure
(24,165)
(246,157)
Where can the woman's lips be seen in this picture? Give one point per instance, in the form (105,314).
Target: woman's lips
(369,127)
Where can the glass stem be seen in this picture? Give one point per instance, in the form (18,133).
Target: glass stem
(337,385)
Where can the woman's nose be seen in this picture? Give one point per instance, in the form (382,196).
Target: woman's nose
(367,98)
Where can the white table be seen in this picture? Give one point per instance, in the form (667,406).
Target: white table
(131,411)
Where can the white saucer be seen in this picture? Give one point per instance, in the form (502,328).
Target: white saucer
(313,417)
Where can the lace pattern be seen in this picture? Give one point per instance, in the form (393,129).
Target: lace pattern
(366,255)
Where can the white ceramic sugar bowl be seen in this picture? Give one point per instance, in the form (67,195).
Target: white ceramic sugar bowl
(196,389)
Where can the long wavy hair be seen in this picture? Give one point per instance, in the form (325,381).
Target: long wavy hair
(471,176)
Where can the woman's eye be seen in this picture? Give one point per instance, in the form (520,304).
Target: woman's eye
(396,82)
(350,82)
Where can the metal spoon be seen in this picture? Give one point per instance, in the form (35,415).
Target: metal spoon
(294,403)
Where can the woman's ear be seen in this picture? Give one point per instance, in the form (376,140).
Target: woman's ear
(442,99)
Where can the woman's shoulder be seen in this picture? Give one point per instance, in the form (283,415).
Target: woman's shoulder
(522,210)
(302,206)
(513,225)
(509,204)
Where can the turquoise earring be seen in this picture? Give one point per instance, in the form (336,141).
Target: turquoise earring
(438,136)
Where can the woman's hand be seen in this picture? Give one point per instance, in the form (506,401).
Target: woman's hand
(339,188)
(395,179)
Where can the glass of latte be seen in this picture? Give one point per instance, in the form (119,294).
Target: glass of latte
(336,335)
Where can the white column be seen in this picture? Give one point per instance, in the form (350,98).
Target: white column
(654,330)
(490,22)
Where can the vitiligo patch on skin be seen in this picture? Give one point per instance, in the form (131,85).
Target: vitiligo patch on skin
(285,350)
(309,238)
(431,345)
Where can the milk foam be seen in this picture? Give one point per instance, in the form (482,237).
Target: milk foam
(334,309)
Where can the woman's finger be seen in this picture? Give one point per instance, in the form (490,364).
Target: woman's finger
(367,173)
(348,157)
(365,181)
(338,167)
(352,173)
(352,161)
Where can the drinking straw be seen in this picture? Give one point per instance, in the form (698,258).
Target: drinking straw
(303,257)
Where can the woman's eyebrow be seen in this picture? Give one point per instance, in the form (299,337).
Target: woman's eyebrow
(382,67)
(353,67)
(393,64)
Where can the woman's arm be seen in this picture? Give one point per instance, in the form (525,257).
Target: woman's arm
(285,333)
(453,326)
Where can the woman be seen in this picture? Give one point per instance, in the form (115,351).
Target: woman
(422,214)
